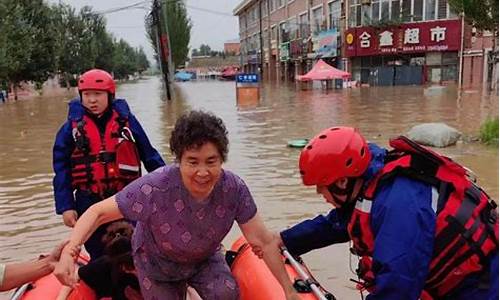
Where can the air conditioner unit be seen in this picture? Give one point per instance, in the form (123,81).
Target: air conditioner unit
(366,2)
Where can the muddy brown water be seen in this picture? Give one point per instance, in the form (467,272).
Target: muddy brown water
(258,131)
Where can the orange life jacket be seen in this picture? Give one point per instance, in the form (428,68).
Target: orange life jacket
(104,164)
(466,218)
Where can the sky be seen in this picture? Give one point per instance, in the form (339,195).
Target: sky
(213,23)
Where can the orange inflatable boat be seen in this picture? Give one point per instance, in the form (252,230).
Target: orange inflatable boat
(48,287)
(256,281)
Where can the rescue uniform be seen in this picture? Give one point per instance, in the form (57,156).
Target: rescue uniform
(83,178)
(403,223)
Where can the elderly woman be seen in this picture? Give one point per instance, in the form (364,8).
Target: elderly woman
(183,213)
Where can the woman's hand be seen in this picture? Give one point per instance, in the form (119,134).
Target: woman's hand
(55,255)
(65,268)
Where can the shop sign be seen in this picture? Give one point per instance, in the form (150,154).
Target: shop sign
(284,51)
(421,37)
(325,43)
(247,78)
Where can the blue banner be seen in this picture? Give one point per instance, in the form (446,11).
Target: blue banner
(247,78)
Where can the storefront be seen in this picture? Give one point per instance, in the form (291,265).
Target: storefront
(412,53)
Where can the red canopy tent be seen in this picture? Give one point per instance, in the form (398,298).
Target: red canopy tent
(323,71)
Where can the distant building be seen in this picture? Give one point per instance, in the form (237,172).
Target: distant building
(232,47)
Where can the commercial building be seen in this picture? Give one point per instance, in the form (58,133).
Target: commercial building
(283,38)
(381,42)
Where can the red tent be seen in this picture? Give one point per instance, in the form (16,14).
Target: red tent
(323,71)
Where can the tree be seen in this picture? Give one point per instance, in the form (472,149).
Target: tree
(179,30)
(205,50)
(142,61)
(82,40)
(28,32)
(482,14)
(124,59)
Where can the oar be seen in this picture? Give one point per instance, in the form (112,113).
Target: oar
(20,291)
(304,275)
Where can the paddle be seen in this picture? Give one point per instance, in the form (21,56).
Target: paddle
(20,291)
(305,276)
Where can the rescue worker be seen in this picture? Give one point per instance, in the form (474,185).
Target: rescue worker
(97,151)
(420,226)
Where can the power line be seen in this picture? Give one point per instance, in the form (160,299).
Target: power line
(220,13)
(137,5)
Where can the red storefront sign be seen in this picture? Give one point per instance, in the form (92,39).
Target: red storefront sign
(406,38)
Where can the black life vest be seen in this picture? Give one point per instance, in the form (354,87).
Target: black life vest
(466,222)
(104,164)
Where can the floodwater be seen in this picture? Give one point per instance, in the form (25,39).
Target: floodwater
(258,132)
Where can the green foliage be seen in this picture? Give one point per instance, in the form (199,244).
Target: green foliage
(38,40)
(178,25)
(179,29)
(123,64)
(204,50)
(483,14)
(489,131)
(27,37)
(142,61)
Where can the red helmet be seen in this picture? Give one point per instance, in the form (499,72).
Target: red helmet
(334,153)
(96,79)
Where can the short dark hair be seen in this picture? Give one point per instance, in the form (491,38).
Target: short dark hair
(196,128)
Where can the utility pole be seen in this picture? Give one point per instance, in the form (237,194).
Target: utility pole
(461,56)
(261,58)
(162,41)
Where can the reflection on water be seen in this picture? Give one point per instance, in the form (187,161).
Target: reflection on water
(258,153)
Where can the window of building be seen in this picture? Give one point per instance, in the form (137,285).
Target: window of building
(385,10)
(265,39)
(395,10)
(375,15)
(355,14)
(284,34)
(293,28)
(418,10)
(334,14)
(366,15)
(304,26)
(272,5)
(274,32)
(264,8)
(280,3)
(317,19)
(430,9)
(406,10)
(242,22)
(442,9)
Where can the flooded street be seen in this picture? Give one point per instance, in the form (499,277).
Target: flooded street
(258,136)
